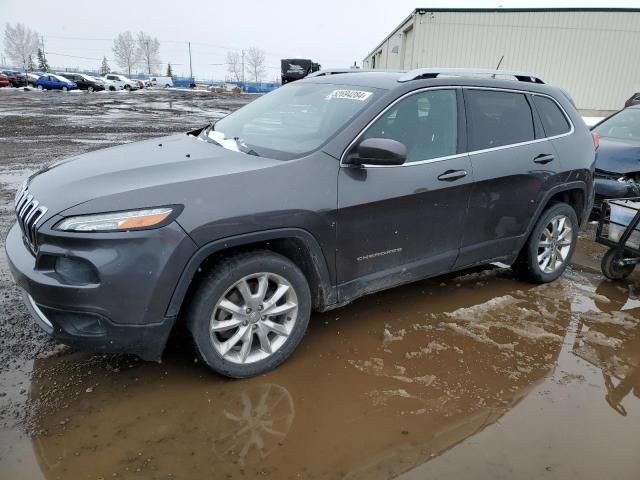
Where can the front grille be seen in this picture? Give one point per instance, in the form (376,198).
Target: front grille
(28,212)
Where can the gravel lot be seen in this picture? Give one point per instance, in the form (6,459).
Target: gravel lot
(473,376)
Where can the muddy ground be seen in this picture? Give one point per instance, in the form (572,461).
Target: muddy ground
(474,376)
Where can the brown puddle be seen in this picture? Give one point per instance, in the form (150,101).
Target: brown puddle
(523,381)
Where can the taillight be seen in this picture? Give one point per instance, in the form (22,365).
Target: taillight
(596,140)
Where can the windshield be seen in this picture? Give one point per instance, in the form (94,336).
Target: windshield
(292,120)
(624,125)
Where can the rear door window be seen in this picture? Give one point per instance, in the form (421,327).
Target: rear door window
(497,118)
(554,121)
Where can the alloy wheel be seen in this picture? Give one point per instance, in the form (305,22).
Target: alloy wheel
(254,318)
(555,244)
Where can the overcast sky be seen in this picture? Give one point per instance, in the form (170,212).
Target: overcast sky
(331,32)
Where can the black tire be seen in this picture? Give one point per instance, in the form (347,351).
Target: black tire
(526,266)
(612,269)
(214,286)
(127,87)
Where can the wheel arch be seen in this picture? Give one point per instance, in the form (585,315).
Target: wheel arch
(297,245)
(572,193)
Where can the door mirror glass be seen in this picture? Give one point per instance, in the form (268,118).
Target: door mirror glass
(378,151)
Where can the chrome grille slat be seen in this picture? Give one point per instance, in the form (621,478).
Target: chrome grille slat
(22,201)
(29,212)
(19,195)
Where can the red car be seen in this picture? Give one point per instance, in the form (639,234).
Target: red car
(4,80)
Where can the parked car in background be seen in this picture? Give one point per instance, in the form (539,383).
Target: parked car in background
(51,81)
(4,81)
(353,183)
(82,81)
(32,78)
(122,82)
(107,84)
(633,100)
(618,163)
(16,79)
(163,82)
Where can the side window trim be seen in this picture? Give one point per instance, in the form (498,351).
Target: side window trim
(458,91)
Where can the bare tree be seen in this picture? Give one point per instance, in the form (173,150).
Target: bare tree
(148,51)
(234,66)
(20,44)
(255,63)
(124,49)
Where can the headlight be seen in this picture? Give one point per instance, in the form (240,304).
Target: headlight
(117,221)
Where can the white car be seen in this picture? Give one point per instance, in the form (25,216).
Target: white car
(163,82)
(121,82)
(32,78)
(109,85)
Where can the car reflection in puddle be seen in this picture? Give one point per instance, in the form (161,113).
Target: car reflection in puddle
(610,340)
(375,390)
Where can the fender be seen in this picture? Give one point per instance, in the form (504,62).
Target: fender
(328,291)
(575,185)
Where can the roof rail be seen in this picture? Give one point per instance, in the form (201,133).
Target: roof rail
(424,73)
(336,71)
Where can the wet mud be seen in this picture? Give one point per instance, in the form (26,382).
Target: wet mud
(475,375)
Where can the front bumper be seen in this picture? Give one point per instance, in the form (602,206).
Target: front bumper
(121,306)
(607,188)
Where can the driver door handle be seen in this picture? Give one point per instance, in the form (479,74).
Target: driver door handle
(543,158)
(451,175)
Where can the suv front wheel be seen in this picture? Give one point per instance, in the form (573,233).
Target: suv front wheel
(550,246)
(250,313)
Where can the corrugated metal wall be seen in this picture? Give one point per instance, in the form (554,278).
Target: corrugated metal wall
(593,55)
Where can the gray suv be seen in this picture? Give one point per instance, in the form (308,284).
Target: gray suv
(325,190)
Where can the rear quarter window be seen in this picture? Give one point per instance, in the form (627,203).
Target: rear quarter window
(498,118)
(554,121)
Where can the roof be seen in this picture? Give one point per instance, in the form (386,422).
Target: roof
(371,78)
(389,80)
(525,10)
(422,11)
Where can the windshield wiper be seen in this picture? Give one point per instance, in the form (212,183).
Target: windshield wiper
(205,136)
(244,148)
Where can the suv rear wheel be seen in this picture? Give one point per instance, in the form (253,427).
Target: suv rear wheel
(250,313)
(550,246)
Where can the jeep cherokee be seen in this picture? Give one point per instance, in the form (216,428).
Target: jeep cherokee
(325,190)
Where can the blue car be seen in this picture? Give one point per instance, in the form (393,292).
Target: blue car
(49,81)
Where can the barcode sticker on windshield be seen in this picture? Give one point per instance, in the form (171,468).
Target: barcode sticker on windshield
(359,95)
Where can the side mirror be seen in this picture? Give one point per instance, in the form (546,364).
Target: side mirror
(378,151)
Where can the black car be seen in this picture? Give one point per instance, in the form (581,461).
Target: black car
(618,163)
(325,190)
(16,79)
(633,100)
(84,82)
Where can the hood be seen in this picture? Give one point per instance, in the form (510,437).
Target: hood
(141,166)
(618,156)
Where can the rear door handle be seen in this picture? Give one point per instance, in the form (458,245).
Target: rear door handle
(543,158)
(451,175)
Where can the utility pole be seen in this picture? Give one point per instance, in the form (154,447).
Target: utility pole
(190,64)
(243,68)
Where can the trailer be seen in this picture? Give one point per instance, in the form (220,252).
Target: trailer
(296,68)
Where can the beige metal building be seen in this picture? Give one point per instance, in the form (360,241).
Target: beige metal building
(594,53)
